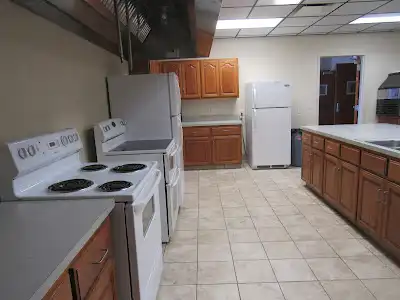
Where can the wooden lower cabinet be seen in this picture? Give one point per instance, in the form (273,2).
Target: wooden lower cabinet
(317,170)
(197,151)
(348,189)
(306,164)
(104,286)
(331,179)
(61,289)
(227,149)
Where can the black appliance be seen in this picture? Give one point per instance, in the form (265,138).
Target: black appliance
(388,103)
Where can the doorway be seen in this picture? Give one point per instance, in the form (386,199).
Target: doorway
(339,89)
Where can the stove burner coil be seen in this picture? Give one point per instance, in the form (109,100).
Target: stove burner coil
(69,186)
(115,186)
(94,167)
(128,168)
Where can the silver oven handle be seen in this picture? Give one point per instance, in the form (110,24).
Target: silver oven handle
(139,205)
(175,150)
(177,177)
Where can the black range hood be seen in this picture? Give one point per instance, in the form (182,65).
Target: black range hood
(158,29)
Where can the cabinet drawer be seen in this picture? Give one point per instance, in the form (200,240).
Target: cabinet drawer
(196,131)
(350,154)
(93,258)
(318,142)
(394,171)
(332,148)
(306,138)
(374,163)
(226,130)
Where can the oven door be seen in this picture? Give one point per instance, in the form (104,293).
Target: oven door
(171,162)
(173,201)
(146,246)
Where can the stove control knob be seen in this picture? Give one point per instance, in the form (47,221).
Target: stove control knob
(76,137)
(22,153)
(113,124)
(105,129)
(31,150)
(70,138)
(64,140)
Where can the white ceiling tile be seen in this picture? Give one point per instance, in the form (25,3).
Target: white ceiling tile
(384,27)
(323,1)
(352,28)
(358,8)
(234,13)
(320,29)
(254,32)
(287,30)
(226,33)
(391,7)
(238,3)
(311,11)
(337,20)
(304,21)
(276,2)
(277,11)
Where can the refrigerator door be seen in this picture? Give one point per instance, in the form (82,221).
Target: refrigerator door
(271,94)
(271,138)
(174,94)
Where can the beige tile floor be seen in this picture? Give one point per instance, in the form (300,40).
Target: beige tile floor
(261,235)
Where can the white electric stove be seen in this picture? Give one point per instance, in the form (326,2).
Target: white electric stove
(49,167)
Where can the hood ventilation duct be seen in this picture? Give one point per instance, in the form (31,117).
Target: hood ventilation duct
(388,103)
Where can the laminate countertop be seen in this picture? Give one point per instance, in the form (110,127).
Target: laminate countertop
(215,120)
(39,239)
(360,134)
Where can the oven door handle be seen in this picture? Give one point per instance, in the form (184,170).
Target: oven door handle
(177,177)
(176,149)
(138,206)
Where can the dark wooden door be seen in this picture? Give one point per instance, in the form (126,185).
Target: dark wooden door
(327,98)
(197,151)
(306,164)
(391,218)
(191,83)
(348,189)
(104,286)
(228,78)
(345,93)
(227,149)
(370,195)
(317,170)
(331,179)
(209,78)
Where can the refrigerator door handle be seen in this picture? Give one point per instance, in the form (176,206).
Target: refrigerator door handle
(254,118)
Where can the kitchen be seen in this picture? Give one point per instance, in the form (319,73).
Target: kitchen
(54,79)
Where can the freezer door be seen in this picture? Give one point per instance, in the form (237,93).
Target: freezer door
(175,94)
(271,140)
(271,94)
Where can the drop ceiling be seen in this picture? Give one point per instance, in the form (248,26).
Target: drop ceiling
(306,17)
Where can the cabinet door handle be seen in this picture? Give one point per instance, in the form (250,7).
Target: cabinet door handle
(102,258)
(379,196)
(385,199)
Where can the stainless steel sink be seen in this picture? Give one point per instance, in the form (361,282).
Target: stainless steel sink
(392,144)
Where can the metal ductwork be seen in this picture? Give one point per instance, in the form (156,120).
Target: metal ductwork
(388,102)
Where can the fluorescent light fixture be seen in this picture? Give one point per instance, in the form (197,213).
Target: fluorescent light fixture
(378,18)
(279,2)
(248,23)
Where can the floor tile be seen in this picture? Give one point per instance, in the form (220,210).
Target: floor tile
(188,213)
(286,210)
(280,250)
(212,237)
(303,233)
(248,251)
(384,289)
(349,247)
(218,292)
(181,292)
(260,291)
(293,220)
(234,202)
(273,234)
(256,202)
(292,270)
(211,223)
(324,219)
(209,203)
(233,212)
(216,272)
(179,274)
(346,290)
(249,192)
(374,250)
(211,212)
(180,253)
(315,249)
(369,267)
(330,269)
(239,223)
(214,252)
(184,237)
(274,202)
(266,221)
(337,232)
(260,211)
(186,224)
(303,291)
(254,271)
(243,236)
(390,263)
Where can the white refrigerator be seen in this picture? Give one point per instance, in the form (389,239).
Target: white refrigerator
(268,124)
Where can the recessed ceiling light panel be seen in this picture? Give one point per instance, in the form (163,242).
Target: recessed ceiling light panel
(378,18)
(248,23)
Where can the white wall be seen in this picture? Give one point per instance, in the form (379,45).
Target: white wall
(50,79)
(296,60)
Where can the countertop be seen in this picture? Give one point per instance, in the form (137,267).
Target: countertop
(39,239)
(215,120)
(360,133)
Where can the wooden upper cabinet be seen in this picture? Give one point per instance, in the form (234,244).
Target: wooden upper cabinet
(209,78)
(155,67)
(228,77)
(173,67)
(348,189)
(191,82)
(227,149)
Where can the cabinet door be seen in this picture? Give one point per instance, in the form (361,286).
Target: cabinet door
(348,189)
(61,290)
(331,179)
(391,218)
(317,170)
(227,149)
(370,194)
(155,66)
(173,67)
(209,78)
(228,78)
(191,84)
(306,164)
(197,151)
(104,287)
